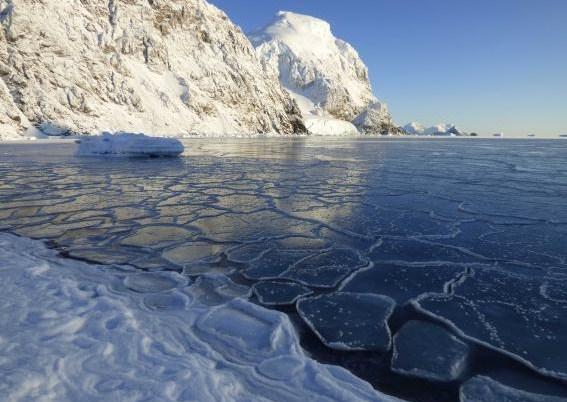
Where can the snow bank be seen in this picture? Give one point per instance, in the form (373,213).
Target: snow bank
(129,145)
(75,331)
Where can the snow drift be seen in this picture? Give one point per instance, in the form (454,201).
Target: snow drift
(172,67)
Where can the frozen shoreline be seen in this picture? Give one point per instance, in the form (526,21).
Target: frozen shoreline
(75,331)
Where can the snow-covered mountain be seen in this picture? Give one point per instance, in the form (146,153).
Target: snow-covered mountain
(324,74)
(165,67)
(442,129)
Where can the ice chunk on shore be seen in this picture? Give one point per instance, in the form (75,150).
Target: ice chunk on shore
(428,351)
(483,389)
(66,334)
(349,321)
(128,144)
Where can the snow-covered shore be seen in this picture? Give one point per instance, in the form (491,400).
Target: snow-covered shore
(76,331)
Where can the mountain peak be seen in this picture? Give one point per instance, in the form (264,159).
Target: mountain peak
(324,74)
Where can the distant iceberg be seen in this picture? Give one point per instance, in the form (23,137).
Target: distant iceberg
(439,130)
(128,144)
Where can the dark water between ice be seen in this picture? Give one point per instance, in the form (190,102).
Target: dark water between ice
(418,263)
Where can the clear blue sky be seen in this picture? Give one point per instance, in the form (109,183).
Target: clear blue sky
(485,65)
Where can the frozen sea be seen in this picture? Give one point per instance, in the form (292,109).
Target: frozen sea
(431,269)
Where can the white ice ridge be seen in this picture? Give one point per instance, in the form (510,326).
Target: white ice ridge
(71,331)
(128,144)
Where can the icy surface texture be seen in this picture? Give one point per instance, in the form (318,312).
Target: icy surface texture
(485,389)
(403,282)
(348,321)
(426,350)
(472,233)
(128,144)
(67,334)
(271,293)
(499,310)
(217,289)
(324,75)
(166,68)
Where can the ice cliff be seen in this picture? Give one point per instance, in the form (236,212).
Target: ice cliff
(171,67)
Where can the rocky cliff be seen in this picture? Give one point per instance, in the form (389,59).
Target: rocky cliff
(165,67)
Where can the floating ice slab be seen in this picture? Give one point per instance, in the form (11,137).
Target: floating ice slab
(419,251)
(127,144)
(484,389)
(428,351)
(349,321)
(402,282)
(215,289)
(325,269)
(271,293)
(513,314)
(67,334)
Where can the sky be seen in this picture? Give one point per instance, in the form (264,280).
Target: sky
(485,65)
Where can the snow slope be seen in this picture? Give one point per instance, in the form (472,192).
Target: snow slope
(71,331)
(161,67)
(324,74)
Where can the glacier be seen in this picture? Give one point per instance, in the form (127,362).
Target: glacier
(75,331)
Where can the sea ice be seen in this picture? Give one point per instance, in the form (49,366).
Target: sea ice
(215,289)
(326,269)
(154,282)
(415,250)
(428,351)
(485,389)
(128,144)
(402,282)
(349,321)
(509,313)
(271,293)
